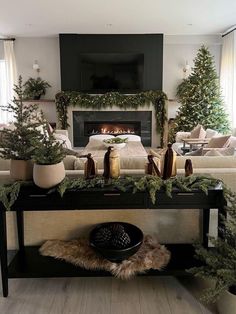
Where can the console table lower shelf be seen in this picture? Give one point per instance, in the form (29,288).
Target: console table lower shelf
(30,264)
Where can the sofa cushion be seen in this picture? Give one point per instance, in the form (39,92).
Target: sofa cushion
(227,151)
(213,152)
(210,133)
(69,162)
(218,142)
(79,163)
(207,161)
(232,142)
(198,132)
(197,152)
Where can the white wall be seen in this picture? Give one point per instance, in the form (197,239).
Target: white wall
(178,50)
(46,52)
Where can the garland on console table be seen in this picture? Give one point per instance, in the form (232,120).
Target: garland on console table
(152,184)
(98,102)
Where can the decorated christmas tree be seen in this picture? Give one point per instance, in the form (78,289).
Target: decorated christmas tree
(200,98)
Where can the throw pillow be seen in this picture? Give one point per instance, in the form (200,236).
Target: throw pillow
(198,132)
(63,139)
(218,142)
(210,133)
(79,163)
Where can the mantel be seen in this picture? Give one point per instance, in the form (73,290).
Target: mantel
(39,101)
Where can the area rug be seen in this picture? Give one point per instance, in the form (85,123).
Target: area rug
(151,255)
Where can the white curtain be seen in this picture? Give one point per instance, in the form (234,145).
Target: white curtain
(228,75)
(10,79)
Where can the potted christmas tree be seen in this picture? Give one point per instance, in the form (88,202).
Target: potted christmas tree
(200,98)
(219,262)
(16,141)
(48,165)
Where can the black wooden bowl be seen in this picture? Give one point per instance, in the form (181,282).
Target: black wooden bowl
(118,255)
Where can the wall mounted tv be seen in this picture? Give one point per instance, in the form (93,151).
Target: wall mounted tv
(97,63)
(103,72)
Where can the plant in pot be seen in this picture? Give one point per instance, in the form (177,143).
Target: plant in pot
(16,140)
(35,88)
(48,161)
(219,262)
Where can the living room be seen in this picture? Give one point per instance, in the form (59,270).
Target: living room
(91,192)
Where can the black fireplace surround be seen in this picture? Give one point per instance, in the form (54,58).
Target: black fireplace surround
(87,123)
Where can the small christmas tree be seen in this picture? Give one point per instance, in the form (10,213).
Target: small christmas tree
(47,150)
(200,98)
(16,142)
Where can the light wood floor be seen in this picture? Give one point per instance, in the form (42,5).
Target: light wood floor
(142,295)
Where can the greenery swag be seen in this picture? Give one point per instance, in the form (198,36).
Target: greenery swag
(152,184)
(97,102)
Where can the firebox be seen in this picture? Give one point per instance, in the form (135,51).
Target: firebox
(87,123)
(114,127)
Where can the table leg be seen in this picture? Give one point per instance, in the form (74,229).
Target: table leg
(3,252)
(205,226)
(20,229)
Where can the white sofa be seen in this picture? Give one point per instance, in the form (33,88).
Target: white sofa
(209,134)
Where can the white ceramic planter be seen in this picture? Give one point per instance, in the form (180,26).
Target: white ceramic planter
(21,170)
(47,176)
(227,303)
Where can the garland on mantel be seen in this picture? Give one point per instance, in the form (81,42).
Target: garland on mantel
(97,102)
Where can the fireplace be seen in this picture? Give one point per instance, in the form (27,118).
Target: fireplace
(87,123)
(113,128)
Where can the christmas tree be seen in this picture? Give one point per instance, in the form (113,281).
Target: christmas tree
(16,142)
(200,98)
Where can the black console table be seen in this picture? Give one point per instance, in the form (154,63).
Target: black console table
(28,263)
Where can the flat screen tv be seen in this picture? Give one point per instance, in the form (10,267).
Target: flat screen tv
(104,72)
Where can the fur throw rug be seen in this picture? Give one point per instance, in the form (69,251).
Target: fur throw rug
(78,252)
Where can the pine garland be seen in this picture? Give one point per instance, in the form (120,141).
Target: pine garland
(98,102)
(152,184)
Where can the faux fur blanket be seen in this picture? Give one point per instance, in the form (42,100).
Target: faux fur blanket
(78,252)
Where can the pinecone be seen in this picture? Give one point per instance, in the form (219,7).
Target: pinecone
(102,237)
(120,240)
(116,228)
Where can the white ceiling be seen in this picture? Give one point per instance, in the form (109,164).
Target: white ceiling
(171,17)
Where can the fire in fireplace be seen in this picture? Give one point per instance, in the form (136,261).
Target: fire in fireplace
(116,128)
